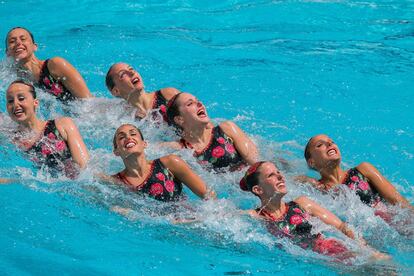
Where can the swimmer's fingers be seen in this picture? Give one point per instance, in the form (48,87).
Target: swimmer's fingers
(304,179)
(107,179)
(362,241)
(211,194)
(126,212)
(4,181)
(379,256)
(185,220)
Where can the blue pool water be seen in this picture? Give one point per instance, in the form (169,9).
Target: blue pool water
(283,70)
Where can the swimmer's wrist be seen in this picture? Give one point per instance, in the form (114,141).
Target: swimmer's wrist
(346,230)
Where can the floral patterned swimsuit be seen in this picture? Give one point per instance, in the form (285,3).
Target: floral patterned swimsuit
(52,85)
(52,151)
(357,182)
(160,102)
(160,184)
(220,152)
(294,225)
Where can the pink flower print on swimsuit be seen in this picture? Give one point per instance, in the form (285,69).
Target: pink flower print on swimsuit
(160,103)
(56,89)
(156,189)
(293,224)
(357,182)
(220,153)
(160,183)
(51,150)
(52,85)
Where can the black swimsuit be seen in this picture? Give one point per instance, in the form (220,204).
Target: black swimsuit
(52,85)
(160,102)
(294,224)
(159,184)
(357,182)
(220,152)
(52,151)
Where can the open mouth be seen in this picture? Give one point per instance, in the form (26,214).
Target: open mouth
(331,152)
(19,50)
(129,144)
(281,185)
(18,112)
(136,80)
(201,113)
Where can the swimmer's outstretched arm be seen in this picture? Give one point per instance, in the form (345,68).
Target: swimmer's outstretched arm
(304,179)
(242,142)
(77,147)
(180,169)
(106,179)
(70,77)
(174,145)
(324,215)
(329,218)
(6,180)
(382,185)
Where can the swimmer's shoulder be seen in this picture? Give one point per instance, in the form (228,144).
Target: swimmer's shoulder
(173,145)
(169,92)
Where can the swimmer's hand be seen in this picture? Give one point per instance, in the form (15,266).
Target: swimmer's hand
(304,179)
(126,212)
(7,180)
(185,220)
(103,177)
(379,256)
(285,164)
(210,195)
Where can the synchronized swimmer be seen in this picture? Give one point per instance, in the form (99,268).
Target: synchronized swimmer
(124,82)
(56,75)
(56,146)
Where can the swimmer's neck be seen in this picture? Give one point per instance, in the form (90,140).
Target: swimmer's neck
(33,65)
(200,134)
(274,205)
(136,165)
(141,100)
(331,176)
(33,124)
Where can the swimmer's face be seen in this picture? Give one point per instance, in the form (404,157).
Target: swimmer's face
(271,181)
(20,45)
(126,81)
(323,152)
(128,140)
(21,105)
(191,111)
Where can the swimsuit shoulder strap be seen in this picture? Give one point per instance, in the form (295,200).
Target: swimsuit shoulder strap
(122,178)
(44,71)
(160,95)
(184,144)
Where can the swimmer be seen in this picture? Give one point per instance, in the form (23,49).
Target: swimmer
(56,144)
(324,156)
(56,75)
(291,219)
(162,178)
(5,181)
(124,82)
(222,146)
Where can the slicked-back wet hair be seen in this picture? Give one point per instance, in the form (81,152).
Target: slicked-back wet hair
(172,110)
(109,81)
(20,81)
